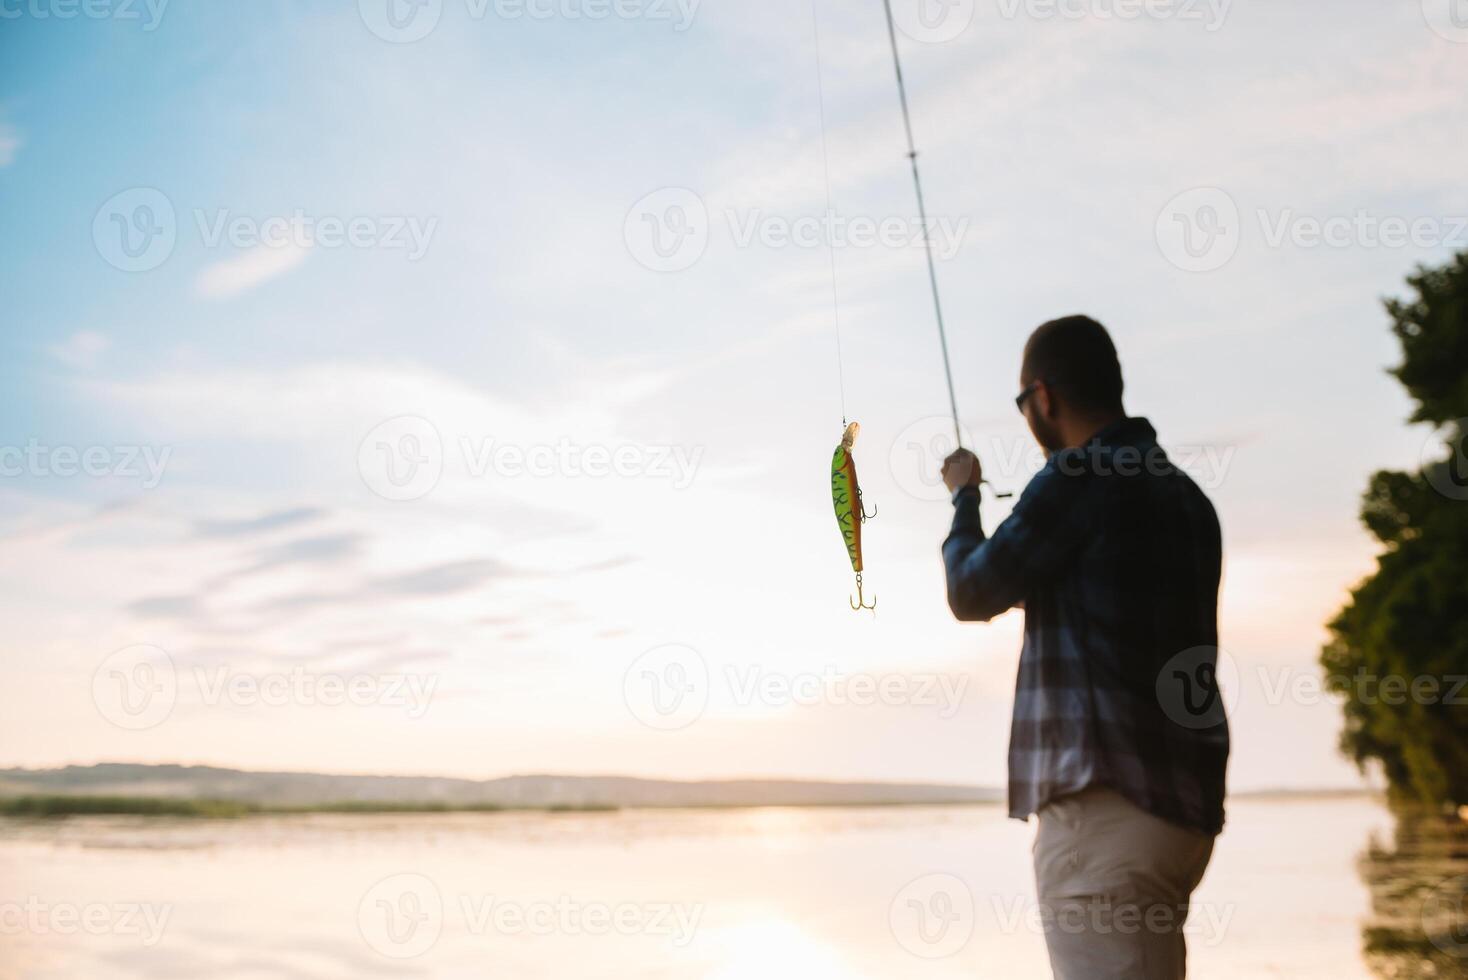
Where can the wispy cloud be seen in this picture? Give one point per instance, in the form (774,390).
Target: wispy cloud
(166,607)
(249,269)
(10,143)
(256,525)
(82,349)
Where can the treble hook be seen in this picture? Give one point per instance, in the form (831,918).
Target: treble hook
(860,601)
(862,507)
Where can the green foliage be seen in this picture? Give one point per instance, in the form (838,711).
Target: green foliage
(1433,330)
(1410,619)
(75,806)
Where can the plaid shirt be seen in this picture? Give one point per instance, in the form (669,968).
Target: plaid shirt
(1116,555)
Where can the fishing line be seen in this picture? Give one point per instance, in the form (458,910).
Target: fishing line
(815,20)
(917,182)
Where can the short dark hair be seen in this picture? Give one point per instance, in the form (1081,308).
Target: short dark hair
(1075,355)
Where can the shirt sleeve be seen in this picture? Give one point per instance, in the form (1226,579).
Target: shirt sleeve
(1041,536)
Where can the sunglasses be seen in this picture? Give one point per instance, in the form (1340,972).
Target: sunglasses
(1024,396)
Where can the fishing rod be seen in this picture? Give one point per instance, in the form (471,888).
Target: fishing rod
(917,182)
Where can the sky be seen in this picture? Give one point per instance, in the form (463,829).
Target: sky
(450,388)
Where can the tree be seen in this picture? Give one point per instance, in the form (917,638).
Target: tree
(1410,619)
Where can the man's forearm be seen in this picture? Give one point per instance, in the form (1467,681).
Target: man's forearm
(964,539)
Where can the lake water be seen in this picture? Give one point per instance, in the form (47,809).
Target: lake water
(880,892)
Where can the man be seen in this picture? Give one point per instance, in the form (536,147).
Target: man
(1115,556)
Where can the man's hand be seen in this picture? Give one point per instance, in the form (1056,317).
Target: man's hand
(962,469)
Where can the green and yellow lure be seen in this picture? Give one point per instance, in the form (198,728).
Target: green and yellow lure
(846,496)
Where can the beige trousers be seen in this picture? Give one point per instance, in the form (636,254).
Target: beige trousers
(1114,884)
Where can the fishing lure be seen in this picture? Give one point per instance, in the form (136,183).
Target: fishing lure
(846,496)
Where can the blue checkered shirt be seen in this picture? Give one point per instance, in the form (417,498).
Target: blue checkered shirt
(1116,556)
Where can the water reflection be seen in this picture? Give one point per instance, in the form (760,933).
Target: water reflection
(667,895)
(1419,899)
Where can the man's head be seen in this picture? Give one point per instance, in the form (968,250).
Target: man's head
(1070,382)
